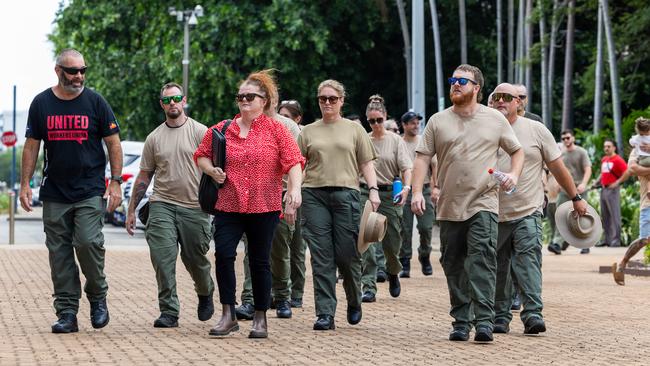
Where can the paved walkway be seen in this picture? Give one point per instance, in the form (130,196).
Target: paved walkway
(590,321)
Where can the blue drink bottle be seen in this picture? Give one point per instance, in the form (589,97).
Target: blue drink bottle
(397,189)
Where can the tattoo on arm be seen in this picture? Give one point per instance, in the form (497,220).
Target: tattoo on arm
(139,189)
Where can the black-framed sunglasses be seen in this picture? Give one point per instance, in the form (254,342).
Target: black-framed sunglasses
(333,99)
(175,98)
(73,70)
(461,81)
(248,96)
(505,96)
(372,121)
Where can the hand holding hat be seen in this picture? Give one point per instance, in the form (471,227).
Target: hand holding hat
(581,231)
(372,228)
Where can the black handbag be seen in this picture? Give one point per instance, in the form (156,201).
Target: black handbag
(208,188)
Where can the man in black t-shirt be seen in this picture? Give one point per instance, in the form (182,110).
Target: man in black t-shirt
(72,121)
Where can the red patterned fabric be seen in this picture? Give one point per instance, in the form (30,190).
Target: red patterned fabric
(254,165)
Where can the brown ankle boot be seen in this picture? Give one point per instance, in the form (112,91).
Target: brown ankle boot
(259,329)
(228,322)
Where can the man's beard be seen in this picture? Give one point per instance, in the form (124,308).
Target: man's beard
(461,100)
(173,114)
(68,85)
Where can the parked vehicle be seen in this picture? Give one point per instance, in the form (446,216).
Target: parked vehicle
(131,155)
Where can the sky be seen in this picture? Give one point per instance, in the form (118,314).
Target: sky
(27,60)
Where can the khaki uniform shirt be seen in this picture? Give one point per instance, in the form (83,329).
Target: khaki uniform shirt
(466,149)
(643,181)
(292,126)
(539,148)
(334,152)
(576,161)
(168,153)
(411,146)
(392,157)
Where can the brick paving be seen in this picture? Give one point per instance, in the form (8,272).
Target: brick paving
(590,321)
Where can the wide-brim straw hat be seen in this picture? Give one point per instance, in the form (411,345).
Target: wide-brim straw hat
(372,227)
(581,231)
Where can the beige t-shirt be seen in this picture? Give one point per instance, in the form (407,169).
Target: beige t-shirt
(539,147)
(392,157)
(466,149)
(576,161)
(643,180)
(334,152)
(168,153)
(295,131)
(411,146)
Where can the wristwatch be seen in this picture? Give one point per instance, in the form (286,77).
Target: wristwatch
(577,198)
(117,178)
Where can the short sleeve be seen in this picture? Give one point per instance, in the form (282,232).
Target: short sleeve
(550,151)
(427,144)
(302,145)
(508,141)
(403,157)
(365,149)
(107,121)
(148,161)
(634,157)
(34,129)
(205,147)
(585,158)
(290,154)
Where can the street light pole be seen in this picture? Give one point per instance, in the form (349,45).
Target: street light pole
(189,19)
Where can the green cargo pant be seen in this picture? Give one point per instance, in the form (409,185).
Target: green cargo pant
(468,258)
(519,247)
(287,264)
(75,228)
(330,223)
(425,227)
(557,238)
(168,228)
(389,246)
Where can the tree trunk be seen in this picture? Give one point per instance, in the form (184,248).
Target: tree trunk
(567,98)
(613,75)
(438,55)
(528,79)
(511,40)
(463,31)
(407,49)
(543,66)
(499,43)
(519,66)
(598,85)
(556,20)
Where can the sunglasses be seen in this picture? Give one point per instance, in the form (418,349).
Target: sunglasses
(73,70)
(248,96)
(505,96)
(324,99)
(461,81)
(372,121)
(522,97)
(288,102)
(175,98)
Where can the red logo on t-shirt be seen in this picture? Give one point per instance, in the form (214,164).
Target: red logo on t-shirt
(67,128)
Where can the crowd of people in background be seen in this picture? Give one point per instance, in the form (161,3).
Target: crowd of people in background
(288,185)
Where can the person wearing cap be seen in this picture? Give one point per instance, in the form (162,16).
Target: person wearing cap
(576,159)
(644,214)
(522,94)
(519,244)
(392,161)
(337,150)
(411,125)
(280,248)
(466,138)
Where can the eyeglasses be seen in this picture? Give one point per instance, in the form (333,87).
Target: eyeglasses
(248,96)
(175,98)
(505,96)
(461,81)
(566,138)
(333,99)
(73,70)
(372,121)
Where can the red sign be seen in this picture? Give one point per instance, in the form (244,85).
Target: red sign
(9,138)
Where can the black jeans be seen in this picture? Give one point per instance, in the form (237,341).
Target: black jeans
(259,228)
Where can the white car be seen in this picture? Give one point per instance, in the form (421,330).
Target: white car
(131,154)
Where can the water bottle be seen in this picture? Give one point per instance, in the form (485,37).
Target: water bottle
(397,189)
(500,177)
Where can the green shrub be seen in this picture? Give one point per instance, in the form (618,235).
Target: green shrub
(4,203)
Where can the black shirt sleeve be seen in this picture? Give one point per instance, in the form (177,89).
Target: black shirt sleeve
(108,122)
(34,122)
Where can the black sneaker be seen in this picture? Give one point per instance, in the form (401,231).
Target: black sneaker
(245,311)
(406,268)
(283,309)
(534,325)
(394,286)
(459,334)
(427,269)
(296,303)
(99,314)
(205,310)
(584,251)
(166,321)
(67,323)
(483,334)
(555,248)
(501,326)
(516,302)
(368,297)
(381,276)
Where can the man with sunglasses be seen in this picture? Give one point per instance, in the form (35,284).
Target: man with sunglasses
(72,121)
(411,125)
(577,161)
(175,216)
(519,244)
(466,138)
(522,93)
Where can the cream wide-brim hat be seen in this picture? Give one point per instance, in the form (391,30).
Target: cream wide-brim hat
(372,228)
(582,231)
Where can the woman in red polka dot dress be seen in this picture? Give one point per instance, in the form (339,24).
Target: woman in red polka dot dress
(259,151)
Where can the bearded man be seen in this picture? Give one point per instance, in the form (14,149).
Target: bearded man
(466,138)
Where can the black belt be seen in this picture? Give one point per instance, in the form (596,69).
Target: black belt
(332,189)
(382,187)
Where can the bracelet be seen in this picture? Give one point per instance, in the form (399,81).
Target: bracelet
(375,188)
